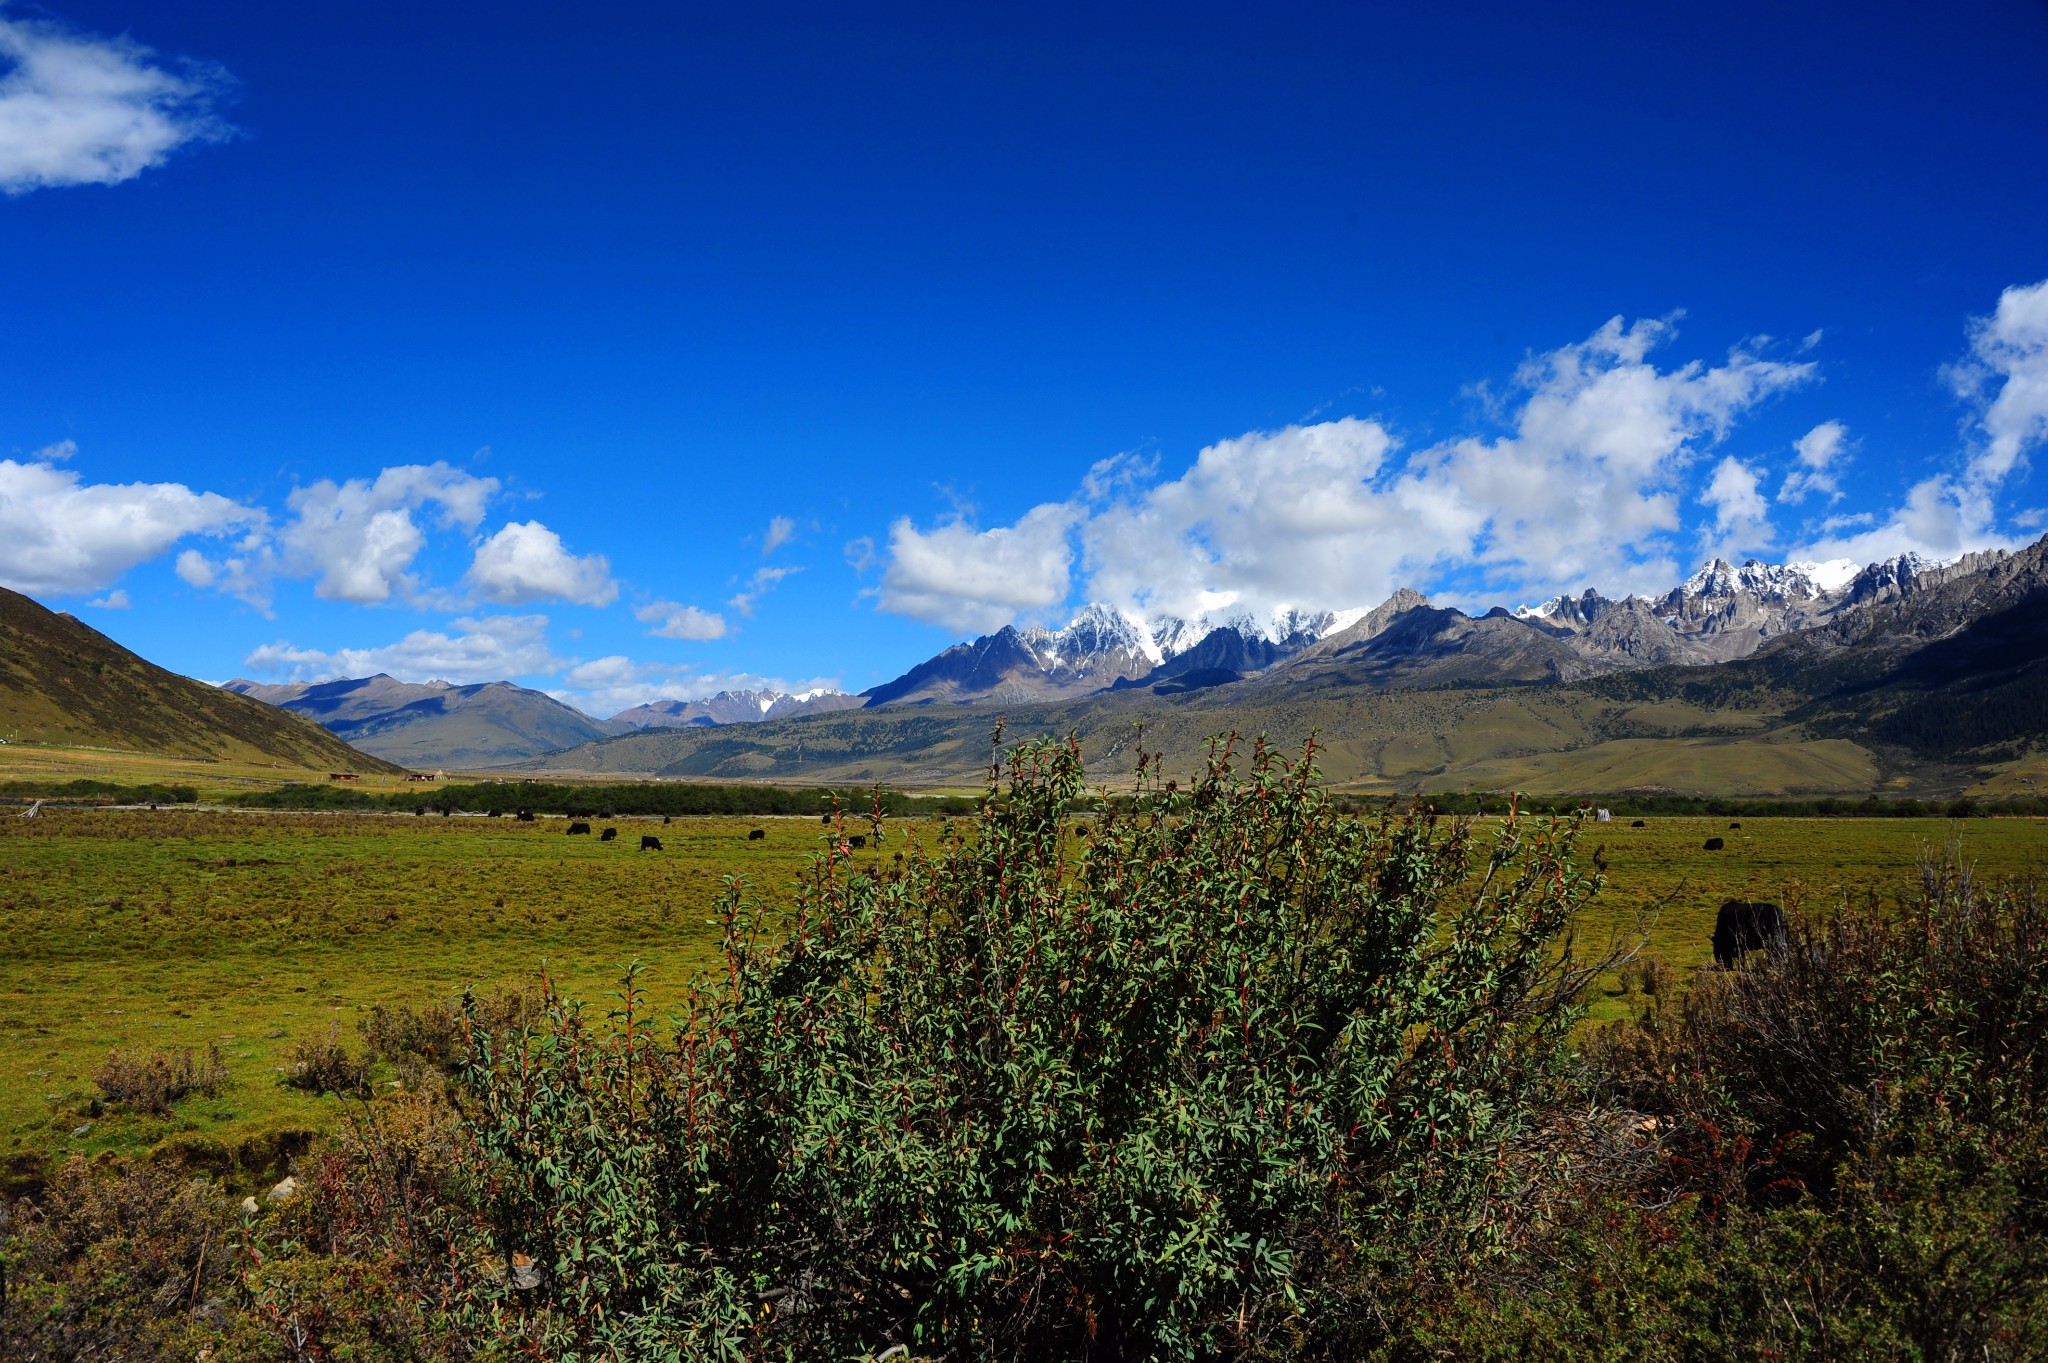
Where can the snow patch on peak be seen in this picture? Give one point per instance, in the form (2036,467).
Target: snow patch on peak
(1768,581)
(1830,576)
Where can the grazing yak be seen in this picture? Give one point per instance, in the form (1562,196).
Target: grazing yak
(579,827)
(526,816)
(757,835)
(649,843)
(857,841)
(1734,825)
(608,835)
(1743,927)
(1638,824)
(1712,845)
(824,818)
(665,819)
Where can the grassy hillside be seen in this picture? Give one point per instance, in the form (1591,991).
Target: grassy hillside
(434,724)
(63,682)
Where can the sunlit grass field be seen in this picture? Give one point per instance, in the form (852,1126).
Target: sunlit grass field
(254,931)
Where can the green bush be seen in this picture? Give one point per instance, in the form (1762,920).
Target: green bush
(1199,1091)
(1851,1160)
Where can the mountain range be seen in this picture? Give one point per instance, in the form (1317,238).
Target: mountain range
(1721,613)
(1764,678)
(437,724)
(1110,662)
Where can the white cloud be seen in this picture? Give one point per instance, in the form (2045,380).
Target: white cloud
(763,581)
(358,537)
(968,579)
(526,562)
(480,649)
(77,109)
(1820,453)
(1741,512)
(605,686)
(2011,348)
(1956,512)
(61,536)
(673,621)
(1586,488)
(781,530)
(113,601)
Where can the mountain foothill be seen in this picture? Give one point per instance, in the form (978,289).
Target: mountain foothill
(1755,679)
(1903,675)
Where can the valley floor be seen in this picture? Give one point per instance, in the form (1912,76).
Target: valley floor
(255,932)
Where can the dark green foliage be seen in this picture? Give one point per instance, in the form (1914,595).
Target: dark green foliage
(1180,1097)
(132,1262)
(97,792)
(1625,804)
(320,795)
(673,798)
(1851,1155)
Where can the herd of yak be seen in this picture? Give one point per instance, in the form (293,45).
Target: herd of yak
(1742,926)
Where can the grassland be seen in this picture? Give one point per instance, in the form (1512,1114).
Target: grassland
(254,931)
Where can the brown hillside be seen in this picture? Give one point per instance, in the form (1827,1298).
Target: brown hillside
(61,681)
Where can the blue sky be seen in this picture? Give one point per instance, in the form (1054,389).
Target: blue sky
(628,350)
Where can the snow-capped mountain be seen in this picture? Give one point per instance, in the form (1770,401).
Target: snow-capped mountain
(1722,612)
(1104,648)
(731,707)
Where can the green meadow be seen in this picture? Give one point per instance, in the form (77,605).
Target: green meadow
(253,932)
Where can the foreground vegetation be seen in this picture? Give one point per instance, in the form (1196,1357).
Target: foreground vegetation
(1230,1073)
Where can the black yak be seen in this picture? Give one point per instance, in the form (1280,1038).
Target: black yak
(1743,927)
(650,843)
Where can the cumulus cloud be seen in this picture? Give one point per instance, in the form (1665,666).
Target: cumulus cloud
(358,538)
(967,579)
(1586,487)
(63,536)
(1955,512)
(606,686)
(79,109)
(673,621)
(2009,349)
(526,562)
(781,530)
(1819,453)
(113,601)
(472,649)
(1741,512)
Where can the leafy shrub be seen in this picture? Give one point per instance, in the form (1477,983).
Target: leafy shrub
(323,1064)
(435,1036)
(150,1081)
(1853,1162)
(132,1261)
(1199,1092)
